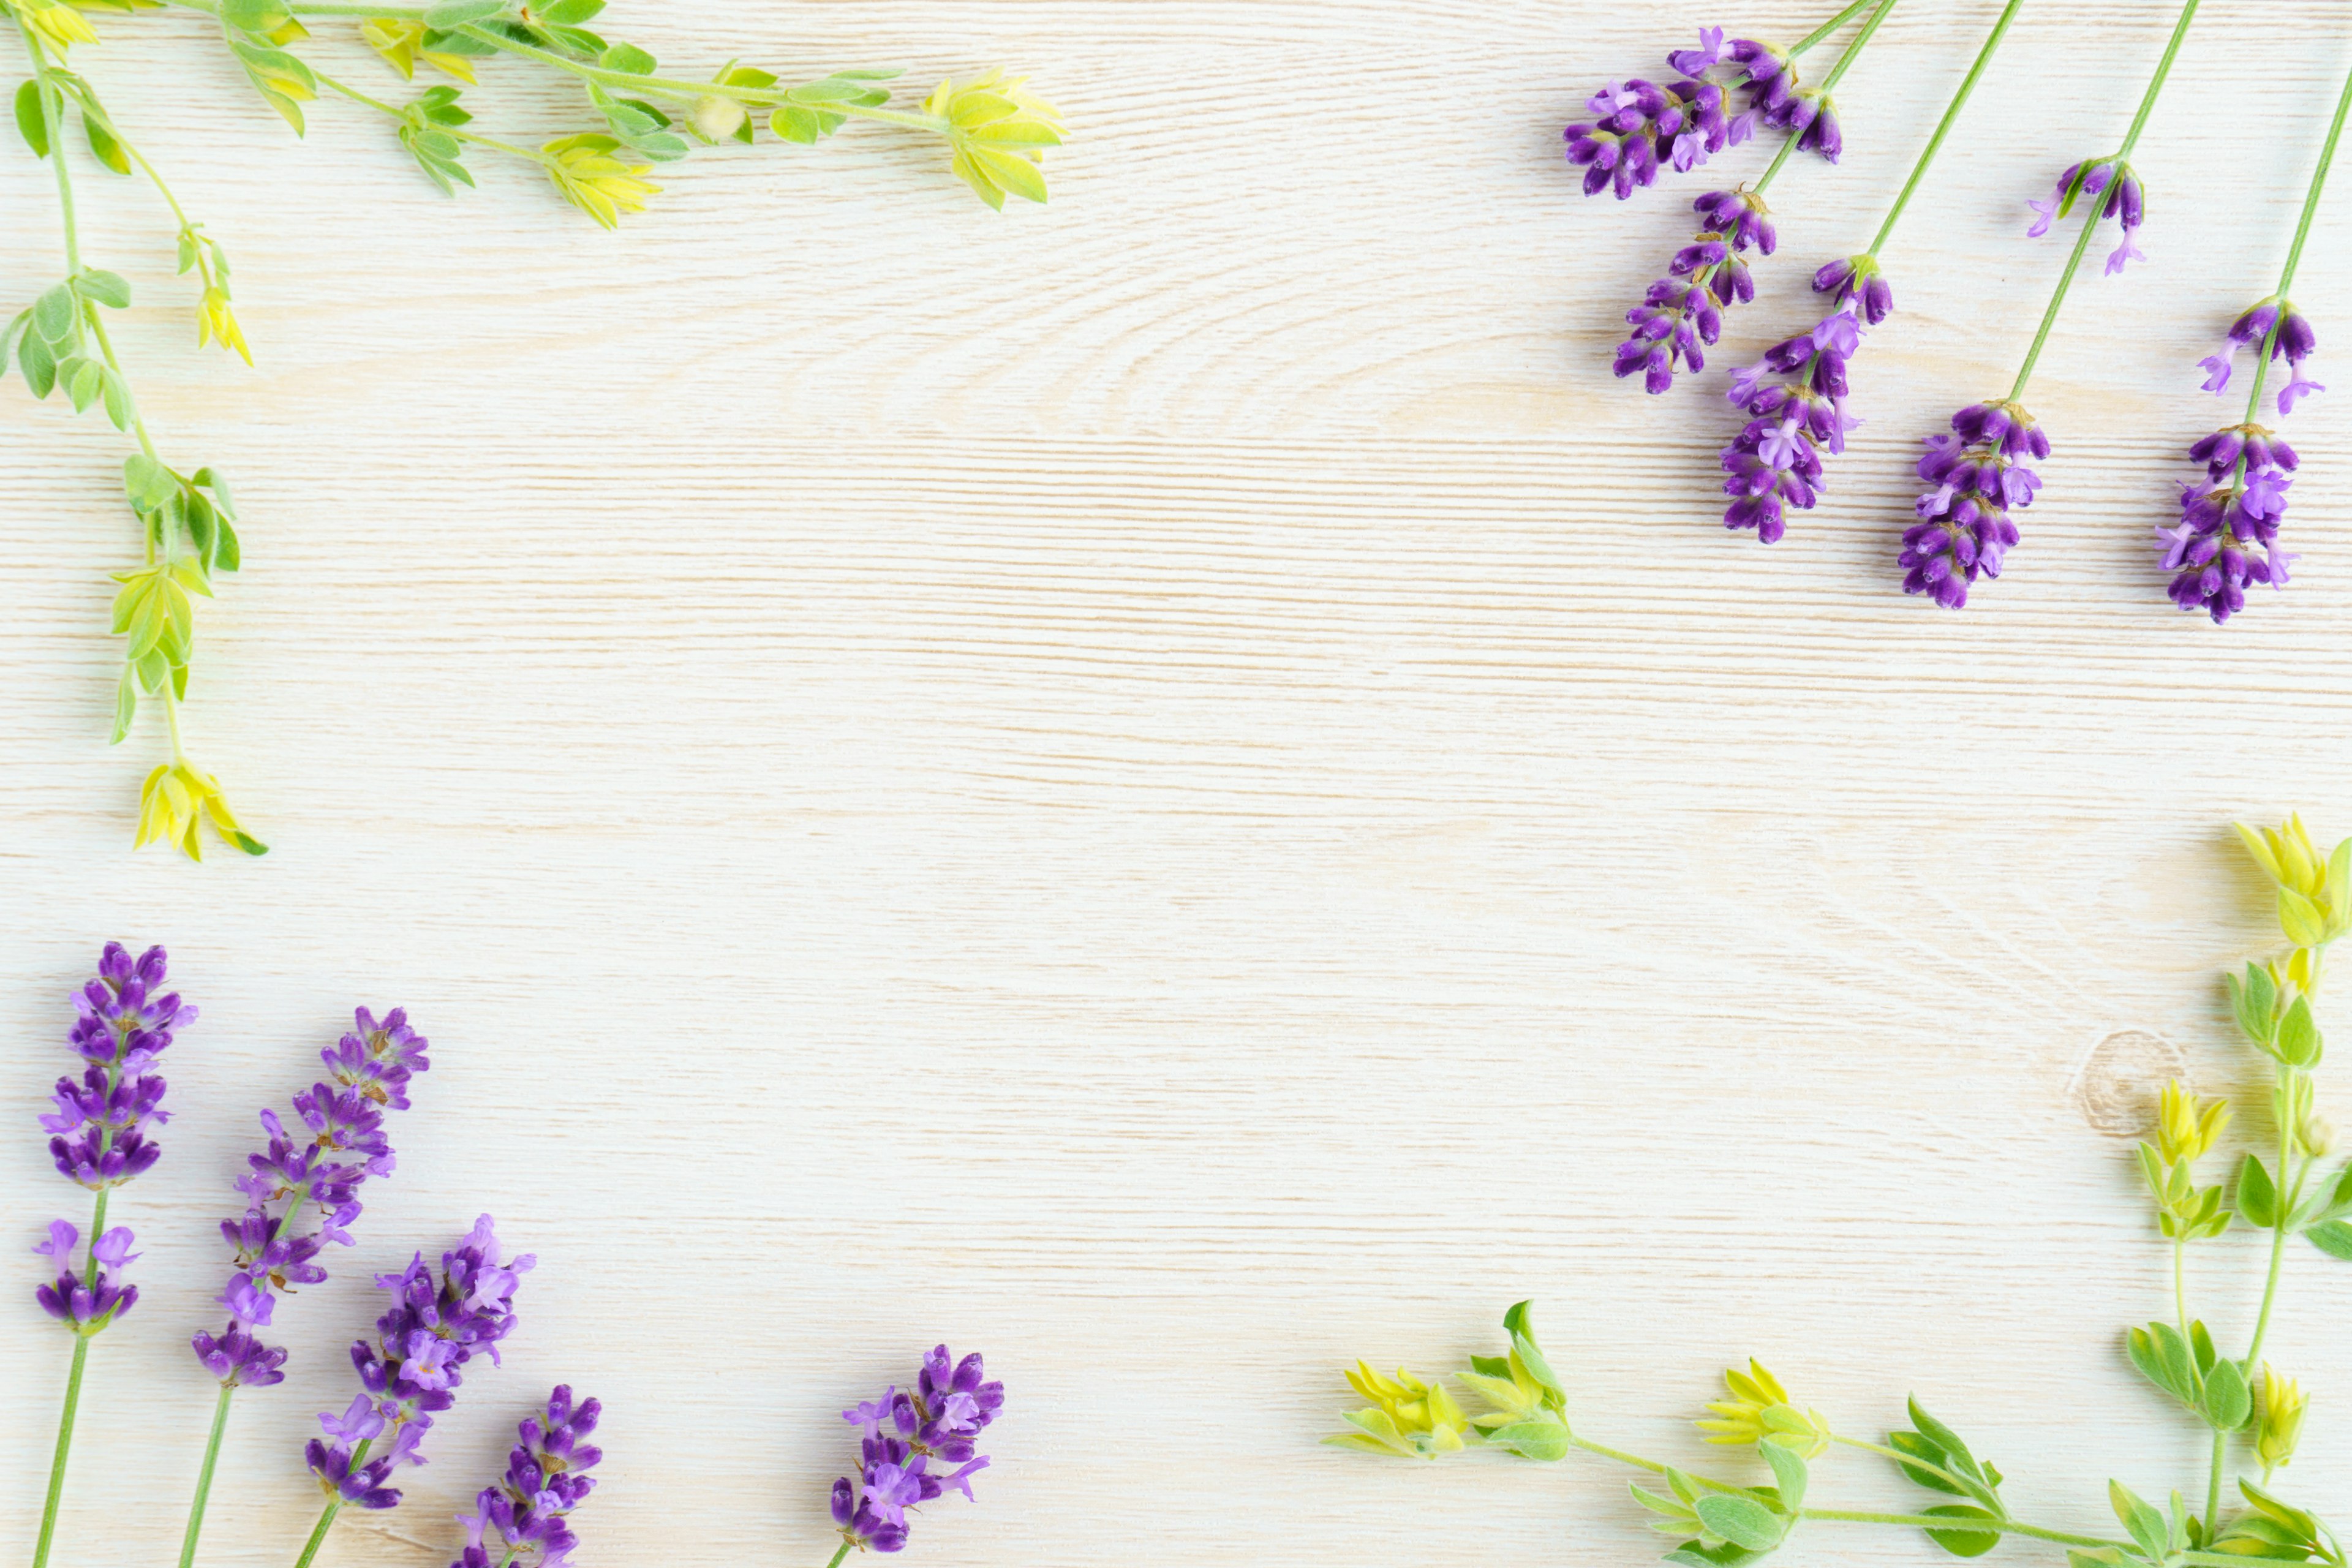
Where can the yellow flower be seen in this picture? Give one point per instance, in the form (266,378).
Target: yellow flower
(2185,1126)
(2314,890)
(592,180)
(402,45)
(217,323)
(998,133)
(1759,1411)
(2281,1420)
(2288,853)
(55,26)
(1411,1416)
(173,802)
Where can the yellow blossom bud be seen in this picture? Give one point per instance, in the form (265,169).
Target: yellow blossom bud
(1410,1416)
(217,323)
(57,26)
(173,802)
(2281,1419)
(998,134)
(592,180)
(1759,1411)
(2186,1127)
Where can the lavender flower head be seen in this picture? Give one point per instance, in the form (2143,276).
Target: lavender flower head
(1639,127)
(1979,474)
(941,1418)
(2238,506)
(1775,461)
(1682,310)
(300,1190)
(527,1513)
(2123,198)
(99,1137)
(123,1022)
(411,1369)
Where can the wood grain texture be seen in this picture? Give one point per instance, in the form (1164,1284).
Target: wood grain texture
(1178,787)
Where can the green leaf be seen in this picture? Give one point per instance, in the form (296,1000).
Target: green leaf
(1789,1473)
(226,554)
(2333,1238)
(108,288)
(1539,1437)
(2225,1403)
(54,313)
(451,15)
(147,482)
(830,89)
(1918,1448)
(1962,1542)
(630,58)
(1742,1521)
(1697,1554)
(104,147)
(2145,1525)
(2304,922)
(126,705)
(207,479)
(794,124)
(202,525)
(2200,1345)
(2255,1000)
(117,398)
(31,123)
(40,366)
(571,13)
(2299,1043)
(83,385)
(2257,1194)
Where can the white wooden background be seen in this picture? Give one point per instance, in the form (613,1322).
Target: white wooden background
(1177,788)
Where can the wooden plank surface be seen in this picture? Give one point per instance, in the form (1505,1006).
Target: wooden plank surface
(1178,787)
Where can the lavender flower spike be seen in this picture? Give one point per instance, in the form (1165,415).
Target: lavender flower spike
(87,1304)
(1979,474)
(2239,505)
(904,1431)
(1775,461)
(1641,127)
(301,1189)
(1682,311)
(528,1512)
(411,1369)
(2124,197)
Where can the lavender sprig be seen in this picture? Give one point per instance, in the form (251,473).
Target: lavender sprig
(528,1512)
(1983,472)
(410,1371)
(1639,127)
(2242,500)
(99,1138)
(1681,314)
(301,1193)
(941,1418)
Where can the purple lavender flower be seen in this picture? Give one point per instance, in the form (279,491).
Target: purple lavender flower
(2294,341)
(2125,199)
(413,1367)
(528,1511)
(123,1022)
(1682,311)
(941,1418)
(301,1188)
(1980,473)
(1775,461)
(1639,127)
(89,1302)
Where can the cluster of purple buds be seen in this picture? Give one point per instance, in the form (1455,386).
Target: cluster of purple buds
(2242,498)
(1639,127)
(86,1302)
(1775,461)
(2123,198)
(123,1022)
(1682,310)
(904,1431)
(528,1512)
(312,1173)
(411,1370)
(2288,333)
(1980,473)
(2237,509)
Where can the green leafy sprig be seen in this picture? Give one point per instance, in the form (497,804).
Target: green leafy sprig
(2243,1403)
(995,133)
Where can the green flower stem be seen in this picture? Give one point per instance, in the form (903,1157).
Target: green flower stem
(204,1477)
(1826,28)
(837,1556)
(527,154)
(2284,1200)
(1653,1465)
(1852,51)
(1945,1521)
(93,109)
(57,1460)
(319,1534)
(53,124)
(1943,126)
(2057,302)
(2155,82)
(2318,183)
(2179,1284)
(1906,1460)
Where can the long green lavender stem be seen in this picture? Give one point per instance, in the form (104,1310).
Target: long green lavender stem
(2318,183)
(2156,84)
(1826,28)
(204,1476)
(838,1555)
(1943,126)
